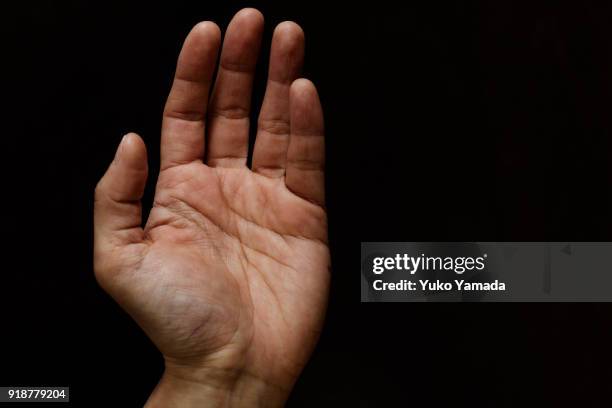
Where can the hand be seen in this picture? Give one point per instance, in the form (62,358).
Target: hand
(229,276)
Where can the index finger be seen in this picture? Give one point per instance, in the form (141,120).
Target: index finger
(185,111)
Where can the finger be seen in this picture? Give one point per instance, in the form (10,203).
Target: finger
(185,111)
(117,208)
(228,116)
(286,59)
(306,152)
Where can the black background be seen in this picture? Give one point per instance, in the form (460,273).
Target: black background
(457,120)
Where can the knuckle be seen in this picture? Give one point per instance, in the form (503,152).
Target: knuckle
(274,126)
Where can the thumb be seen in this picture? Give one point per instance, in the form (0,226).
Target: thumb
(117,208)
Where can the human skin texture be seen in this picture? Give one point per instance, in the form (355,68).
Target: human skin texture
(229,275)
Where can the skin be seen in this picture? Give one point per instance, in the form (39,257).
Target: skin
(229,275)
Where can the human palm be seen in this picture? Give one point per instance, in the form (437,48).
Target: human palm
(229,275)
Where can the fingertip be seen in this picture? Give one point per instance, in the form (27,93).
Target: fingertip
(196,61)
(207,29)
(288,48)
(251,14)
(287,53)
(132,152)
(242,40)
(289,32)
(305,107)
(303,88)
(245,26)
(203,40)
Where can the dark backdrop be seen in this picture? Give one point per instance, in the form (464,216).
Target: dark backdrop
(457,120)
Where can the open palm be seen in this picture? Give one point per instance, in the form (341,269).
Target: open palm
(229,276)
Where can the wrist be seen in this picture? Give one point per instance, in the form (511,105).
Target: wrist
(213,387)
